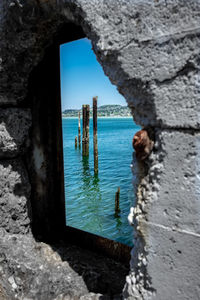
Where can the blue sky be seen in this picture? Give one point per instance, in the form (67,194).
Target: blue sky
(82,77)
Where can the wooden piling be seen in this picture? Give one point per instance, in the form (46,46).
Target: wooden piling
(79,130)
(95,145)
(76,142)
(117,209)
(85,130)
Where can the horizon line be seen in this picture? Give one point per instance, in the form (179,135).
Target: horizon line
(97,106)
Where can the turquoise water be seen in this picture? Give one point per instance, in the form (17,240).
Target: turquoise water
(90,200)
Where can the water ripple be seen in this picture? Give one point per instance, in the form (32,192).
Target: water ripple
(90,199)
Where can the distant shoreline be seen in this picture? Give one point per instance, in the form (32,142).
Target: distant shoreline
(103,111)
(111,117)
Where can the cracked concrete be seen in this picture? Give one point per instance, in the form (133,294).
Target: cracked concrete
(151,51)
(14,127)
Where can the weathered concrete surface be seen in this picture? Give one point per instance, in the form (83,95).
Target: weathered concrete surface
(141,45)
(174,181)
(175,252)
(3,294)
(172,197)
(101,274)
(14,126)
(167,220)
(23,23)
(31,270)
(144,46)
(151,51)
(15,210)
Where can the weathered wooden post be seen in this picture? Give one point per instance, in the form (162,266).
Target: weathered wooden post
(87,128)
(76,142)
(79,129)
(83,128)
(95,145)
(117,209)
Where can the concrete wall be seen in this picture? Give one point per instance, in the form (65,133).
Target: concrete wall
(150,50)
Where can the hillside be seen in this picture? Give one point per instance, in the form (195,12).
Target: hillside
(103,111)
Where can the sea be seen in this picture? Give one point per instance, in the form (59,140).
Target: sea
(90,198)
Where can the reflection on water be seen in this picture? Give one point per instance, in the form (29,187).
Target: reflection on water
(90,199)
(90,188)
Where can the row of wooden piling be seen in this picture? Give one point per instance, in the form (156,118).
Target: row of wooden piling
(85,132)
(85,140)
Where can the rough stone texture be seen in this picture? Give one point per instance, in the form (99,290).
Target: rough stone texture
(31,270)
(176,253)
(141,45)
(3,294)
(14,126)
(167,220)
(101,274)
(14,197)
(22,25)
(151,51)
(34,270)
(174,192)
(146,45)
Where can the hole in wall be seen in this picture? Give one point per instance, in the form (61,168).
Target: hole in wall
(98,182)
(45,164)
